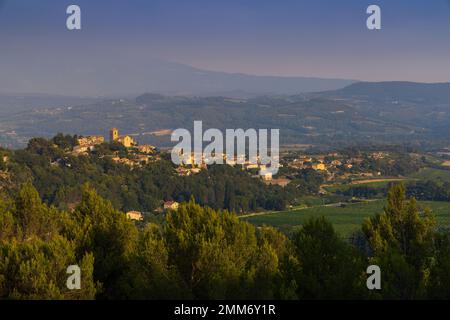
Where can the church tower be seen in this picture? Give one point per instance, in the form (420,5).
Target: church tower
(113,134)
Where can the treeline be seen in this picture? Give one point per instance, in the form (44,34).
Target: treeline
(58,175)
(396,163)
(201,253)
(427,190)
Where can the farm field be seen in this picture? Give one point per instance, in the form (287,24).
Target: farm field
(346,219)
(432,174)
(368,183)
(438,175)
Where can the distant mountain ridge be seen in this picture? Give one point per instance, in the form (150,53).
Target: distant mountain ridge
(106,77)
(401,90)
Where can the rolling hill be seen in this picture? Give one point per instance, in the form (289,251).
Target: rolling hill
(361,113)
(397,90)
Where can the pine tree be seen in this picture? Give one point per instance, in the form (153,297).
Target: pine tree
(401,241)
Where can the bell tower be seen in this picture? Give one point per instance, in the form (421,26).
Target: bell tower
(113,134)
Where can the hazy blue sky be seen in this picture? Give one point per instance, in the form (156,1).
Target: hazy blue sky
(322,38)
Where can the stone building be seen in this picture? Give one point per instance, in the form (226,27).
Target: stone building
(135,215)
(171,205)
(126,140)
(86,144)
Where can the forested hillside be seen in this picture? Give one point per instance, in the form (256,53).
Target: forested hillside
(200,253)
(58,176)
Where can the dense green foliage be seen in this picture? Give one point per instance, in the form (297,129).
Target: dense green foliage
(58,176)
(402,242)
(201,253)
(37,244)
(196,253)
(424,190)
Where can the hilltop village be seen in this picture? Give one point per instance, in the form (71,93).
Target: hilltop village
(341,166)
(136,154)
(141,179)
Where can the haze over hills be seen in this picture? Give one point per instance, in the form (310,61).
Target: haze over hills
(399,90)
(387,112)
(106,77)
(13,103)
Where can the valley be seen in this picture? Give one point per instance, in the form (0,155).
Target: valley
(358,114)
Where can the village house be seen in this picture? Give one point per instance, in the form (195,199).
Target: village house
(282,182)
(78,150)
(265,174)
(319,167)
(125,161)
(135,215)
(90,141)
(87,143)
(146,149)
(184,172)
(171,205)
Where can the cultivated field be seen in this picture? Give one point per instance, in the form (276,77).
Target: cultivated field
(346,218)
(432,174)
